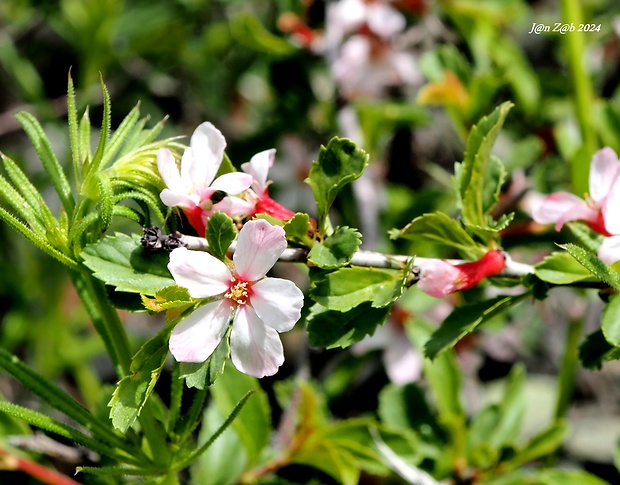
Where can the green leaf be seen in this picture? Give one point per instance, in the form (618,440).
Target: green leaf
(253,424)
(132,391)
(50,162)
(406,408)
(331,328)
(561,269)
(49,424)
(512,409)
(167,298)
(296,229)
(465,319)
(439,228)
(596,349)
(347,288)
(594,265)
(494,179)
(337,249)
(340,163)
(475,168)
(52,394)
(443,376)
(541,445)
(203,375)
(610,321)
(249,30)
(220,233)
(97,163)
(567,477)
(121,261)
(225,460)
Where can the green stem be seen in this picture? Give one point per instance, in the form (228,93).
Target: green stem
(570,361)
(105,319)
(574,43)
(108,324)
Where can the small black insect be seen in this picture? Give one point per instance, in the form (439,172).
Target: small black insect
(154,240)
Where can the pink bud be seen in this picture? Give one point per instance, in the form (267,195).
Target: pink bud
(439,278)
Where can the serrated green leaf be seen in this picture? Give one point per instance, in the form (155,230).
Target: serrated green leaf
(253,424)
(121,261)
(592,263)
(561,269)
(595,350)
(338,164)
(494,179)
(297,227)
(347,288)
(465,319)
(203,375)
(330,328)
(133,390)
(475,166)
(337,249)
(220,233)
(439,228)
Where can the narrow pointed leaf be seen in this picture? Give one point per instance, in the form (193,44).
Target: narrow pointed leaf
(48,159)
(592,263)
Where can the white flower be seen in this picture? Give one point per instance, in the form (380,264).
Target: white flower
(193,185)
(260,307)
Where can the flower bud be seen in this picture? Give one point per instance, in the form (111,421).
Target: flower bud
(439,278)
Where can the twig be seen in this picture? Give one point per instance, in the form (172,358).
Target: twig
(370,259)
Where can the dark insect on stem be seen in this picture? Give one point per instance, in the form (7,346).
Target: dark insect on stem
(154,240)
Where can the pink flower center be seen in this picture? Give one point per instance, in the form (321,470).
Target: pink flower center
(238,291)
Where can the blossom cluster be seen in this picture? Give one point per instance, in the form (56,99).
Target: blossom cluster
(238,292)
(194,188)
(600,209)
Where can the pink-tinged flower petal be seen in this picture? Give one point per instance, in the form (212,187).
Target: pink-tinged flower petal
(384,20)
(438,278)
(176,199)
(611,210)
(207,144)
(579,212)
(202,274)
(555,206)
(277,302)
(255,348)
(235,206)
(169,171)
(192,176)
(258,248)
(403,363)
(195,338)
(604,171)
(258,167)
(609,251)
(232,183)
